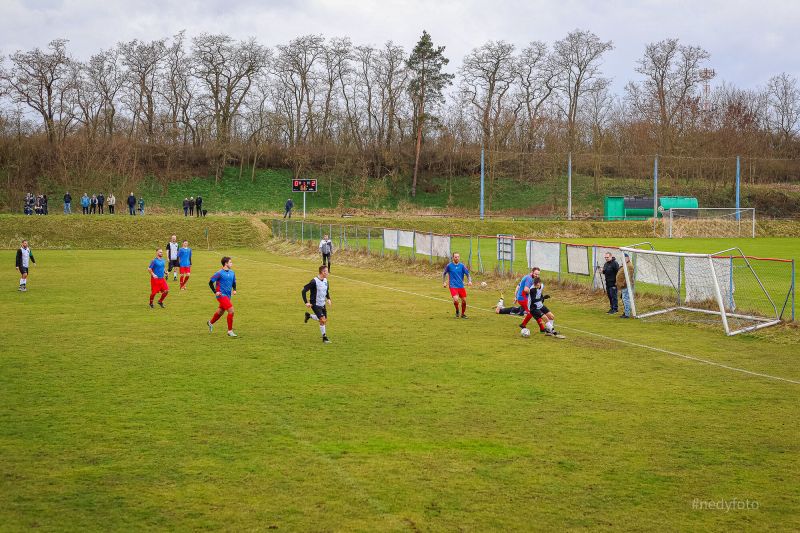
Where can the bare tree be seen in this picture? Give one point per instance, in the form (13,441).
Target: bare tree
(106,76)
(784,105)
(671,76)
(143,62)
(41,80)
(536,77)
(577,58)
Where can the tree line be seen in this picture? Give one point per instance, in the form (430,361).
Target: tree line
(315,104)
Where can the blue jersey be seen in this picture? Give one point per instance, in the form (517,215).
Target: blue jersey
(185,257)
(225,281)
(158,267)
(526,283)
(457,273)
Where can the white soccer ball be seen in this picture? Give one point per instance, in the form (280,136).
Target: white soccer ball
(483,284)
(525,332)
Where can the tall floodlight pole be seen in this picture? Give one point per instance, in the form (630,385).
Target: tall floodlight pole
(738,177)
(655,193)
(481,181)
(569,187)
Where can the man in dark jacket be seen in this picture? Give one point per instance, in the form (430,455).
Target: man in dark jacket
(67,203)
(288,207)
(610,269)
(132,205)
(101,203)
(199,204)
(191,206)
(186,207)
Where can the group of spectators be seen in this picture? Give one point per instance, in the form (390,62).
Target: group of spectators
(97,203)
(192,205)
(35,204)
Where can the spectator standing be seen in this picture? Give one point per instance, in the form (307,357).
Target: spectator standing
(191,206)
(186,207)
(85,203)
(141,205)
(112,202)
(37,206)
(288,208)
(199,205)
(326,249)
(44,204)
(101,203)
(622,285)
(131,204)
(67,203)
(610,269)
(93,204)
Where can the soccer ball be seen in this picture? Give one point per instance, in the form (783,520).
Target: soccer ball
(483,284)
(525,332)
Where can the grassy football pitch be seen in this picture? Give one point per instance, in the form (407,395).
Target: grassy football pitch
(114,416)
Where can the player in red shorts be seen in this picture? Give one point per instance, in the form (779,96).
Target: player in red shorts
(223,285)
(185,263)
(457,271)
(157,281)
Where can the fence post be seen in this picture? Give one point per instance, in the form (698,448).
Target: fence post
(369,241)
(470,248)
(480,259)
(397,250)
(413,245)
(559,261)
(302,231)
(382,241)
(431,248)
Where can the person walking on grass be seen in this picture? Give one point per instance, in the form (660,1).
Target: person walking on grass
(172,257)
(610,269)
(131,204)
(101,203)
(318,300)
(112,202)
(23,262)
(186,207)
(326,249)
(457,271)
(67,203)
(185,263)
(223,285)
(288,208)
(85,201)
(191,206)
(199,204)
(157,281)
(622,285)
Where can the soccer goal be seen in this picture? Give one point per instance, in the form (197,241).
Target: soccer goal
(722,287)
(710,222)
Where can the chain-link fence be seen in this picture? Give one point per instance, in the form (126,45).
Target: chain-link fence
(508,255)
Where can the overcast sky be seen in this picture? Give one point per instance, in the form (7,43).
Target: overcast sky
(749,41)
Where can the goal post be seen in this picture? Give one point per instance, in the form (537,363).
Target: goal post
(721,287)
(711,222)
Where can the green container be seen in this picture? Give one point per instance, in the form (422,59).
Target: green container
(614,208)
(670,202)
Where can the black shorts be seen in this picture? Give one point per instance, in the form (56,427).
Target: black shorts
(23,270)
(174,263)
(320,311)
(539,313)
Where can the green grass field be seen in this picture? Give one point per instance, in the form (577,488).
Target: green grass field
(117,417)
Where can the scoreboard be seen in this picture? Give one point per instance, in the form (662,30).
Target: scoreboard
(304,185)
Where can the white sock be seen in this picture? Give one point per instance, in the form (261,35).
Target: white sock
(322,330)
(549,325)
(23,282)
(314,317)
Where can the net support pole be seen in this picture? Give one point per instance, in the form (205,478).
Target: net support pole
(569,186)
(738,178)
(655,193)
(718,294)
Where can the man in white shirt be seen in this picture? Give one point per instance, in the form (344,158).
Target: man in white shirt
(320,299)
(23,262)
(172,256)
(326,249)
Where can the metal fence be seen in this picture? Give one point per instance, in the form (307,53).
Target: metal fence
(504,255)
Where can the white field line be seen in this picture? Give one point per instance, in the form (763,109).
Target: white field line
(605,337)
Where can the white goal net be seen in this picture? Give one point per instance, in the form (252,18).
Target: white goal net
(710,222)
(721,288)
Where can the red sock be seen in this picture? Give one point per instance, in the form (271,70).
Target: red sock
(152,295)
(527,319)
(163,295)
(181,278)
(216,317)
(541,324)
(455,304)
(463,307)
(230,322)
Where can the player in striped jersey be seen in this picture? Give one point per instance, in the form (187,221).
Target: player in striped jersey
(320,299)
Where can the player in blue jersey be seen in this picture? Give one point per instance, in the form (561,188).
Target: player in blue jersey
(223,285)
(456,271)
(524,288)
(185,263)
(157,281)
